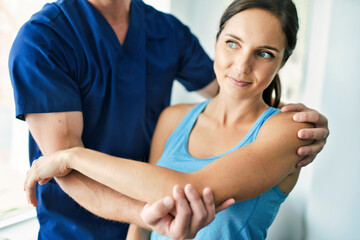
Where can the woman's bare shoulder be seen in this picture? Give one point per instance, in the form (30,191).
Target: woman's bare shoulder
(172,116)
(176,113)
(281,127)
(169,119)
(179,110)
(285,119)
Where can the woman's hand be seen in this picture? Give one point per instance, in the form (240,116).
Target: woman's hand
(319,133)
(43,170)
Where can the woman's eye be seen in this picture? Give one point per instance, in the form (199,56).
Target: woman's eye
(265,55)
(231,44)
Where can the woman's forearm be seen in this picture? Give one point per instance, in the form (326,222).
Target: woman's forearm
(135,179)
(141,181)
(149,183)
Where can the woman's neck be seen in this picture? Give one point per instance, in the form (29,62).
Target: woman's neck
(227,111)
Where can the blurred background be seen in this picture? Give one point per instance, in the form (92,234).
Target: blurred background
(322,73)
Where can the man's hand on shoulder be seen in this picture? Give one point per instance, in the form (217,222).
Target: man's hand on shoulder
(319,133)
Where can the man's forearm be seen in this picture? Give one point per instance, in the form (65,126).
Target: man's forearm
(101,200)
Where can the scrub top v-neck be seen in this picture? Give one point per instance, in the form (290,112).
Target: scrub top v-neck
(135,34)
(68,58)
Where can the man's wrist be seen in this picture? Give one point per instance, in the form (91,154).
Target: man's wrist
(138,211)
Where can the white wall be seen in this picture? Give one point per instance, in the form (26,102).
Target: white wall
(333,210)
(203,17)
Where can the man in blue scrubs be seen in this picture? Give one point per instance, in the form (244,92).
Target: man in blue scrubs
(89,74)
(97,73)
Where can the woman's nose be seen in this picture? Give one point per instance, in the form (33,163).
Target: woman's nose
(243,63)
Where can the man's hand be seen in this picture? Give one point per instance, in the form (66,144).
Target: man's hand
(319,133)
(192,212)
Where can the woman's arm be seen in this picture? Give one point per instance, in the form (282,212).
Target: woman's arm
(242,174)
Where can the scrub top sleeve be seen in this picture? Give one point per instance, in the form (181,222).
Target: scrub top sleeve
(40,74)
(195,67)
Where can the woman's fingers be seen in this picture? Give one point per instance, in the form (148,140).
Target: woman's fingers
(29,187)
(33,176)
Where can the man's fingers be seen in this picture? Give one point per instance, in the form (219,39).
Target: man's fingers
(311,116)
(192,213)
(312,149)
(306,161)
(313,133)
(208,199)
(182,220)
(294,108)
(210,205)
(152,213)
(224,205)
(199,211)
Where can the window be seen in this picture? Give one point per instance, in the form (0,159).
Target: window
(13,133)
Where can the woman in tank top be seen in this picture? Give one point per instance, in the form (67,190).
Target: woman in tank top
(238,144)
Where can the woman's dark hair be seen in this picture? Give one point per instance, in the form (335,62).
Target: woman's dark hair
(285,10)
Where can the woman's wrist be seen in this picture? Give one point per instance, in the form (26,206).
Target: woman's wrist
(69,157)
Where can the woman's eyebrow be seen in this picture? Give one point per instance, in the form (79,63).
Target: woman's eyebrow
(271,48)
(234,36)
(240,40)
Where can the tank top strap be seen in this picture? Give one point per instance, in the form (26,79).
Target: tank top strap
(184,128)
(252,134)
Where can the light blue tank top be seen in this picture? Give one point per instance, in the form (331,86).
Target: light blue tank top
(244,220)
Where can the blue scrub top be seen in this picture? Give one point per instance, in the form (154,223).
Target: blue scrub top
(68,58)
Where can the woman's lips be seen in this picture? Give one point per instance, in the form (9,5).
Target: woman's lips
(239,83)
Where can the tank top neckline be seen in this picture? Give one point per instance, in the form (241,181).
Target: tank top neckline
(200,108)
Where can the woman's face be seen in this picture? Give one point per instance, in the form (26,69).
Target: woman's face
(249,53)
